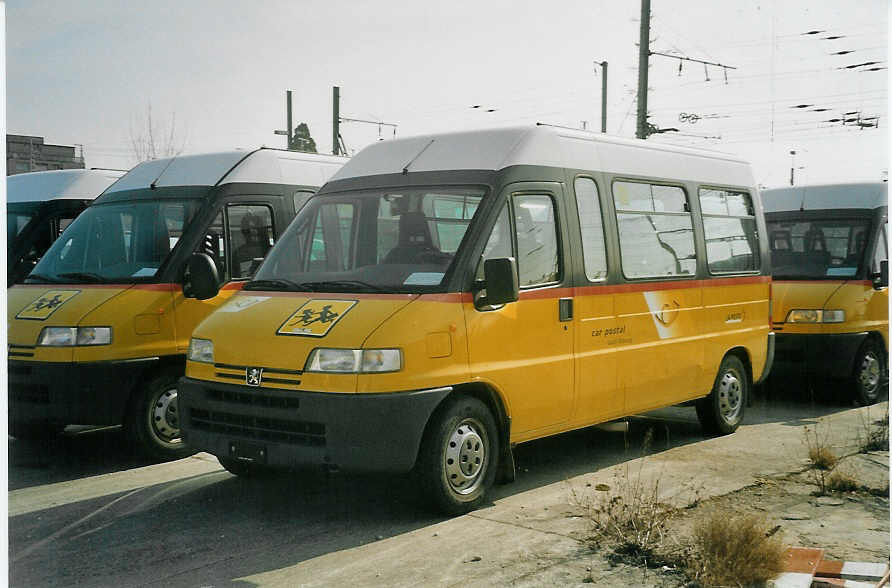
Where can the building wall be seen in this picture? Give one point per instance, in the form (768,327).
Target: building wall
(25,153)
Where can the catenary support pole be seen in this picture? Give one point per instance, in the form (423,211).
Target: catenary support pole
(335,120)
(643,55)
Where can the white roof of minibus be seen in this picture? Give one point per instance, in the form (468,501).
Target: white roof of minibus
(495,149)
(826,197)
(79,184)
(261,166)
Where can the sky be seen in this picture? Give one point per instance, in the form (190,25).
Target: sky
(215,72)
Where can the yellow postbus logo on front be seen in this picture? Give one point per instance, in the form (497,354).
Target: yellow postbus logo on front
(315,317)
(46,304)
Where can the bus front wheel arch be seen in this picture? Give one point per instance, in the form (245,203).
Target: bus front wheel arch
(721,412)
(151,421)
(867,373)
(459,454)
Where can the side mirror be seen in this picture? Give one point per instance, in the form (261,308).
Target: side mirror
(201,279)
(881,280)
(501,281)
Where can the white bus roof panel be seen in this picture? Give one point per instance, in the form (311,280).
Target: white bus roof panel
(826,197)
(72,184)
(496,149)
(262,166)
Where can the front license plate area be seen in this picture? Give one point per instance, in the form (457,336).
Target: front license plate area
(251,452)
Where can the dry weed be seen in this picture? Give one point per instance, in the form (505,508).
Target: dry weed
(823,460)
(628,517)
(842,482)
(732,550)
(874,435)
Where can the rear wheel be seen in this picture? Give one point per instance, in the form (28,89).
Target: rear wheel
(868,374)
(152,420)
(722,411)
(459,455)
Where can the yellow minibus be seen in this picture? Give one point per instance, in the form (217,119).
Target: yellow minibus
(99,329)
(830,256)
(446,297)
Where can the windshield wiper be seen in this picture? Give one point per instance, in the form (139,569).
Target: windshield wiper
(273,284)
(86,276)
(342,284)
(47,279)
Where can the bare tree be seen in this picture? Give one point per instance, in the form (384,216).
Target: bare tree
(151,140)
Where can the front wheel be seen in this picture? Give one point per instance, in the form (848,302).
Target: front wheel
(721,412)
(868,374)
(459,455)
(152,420)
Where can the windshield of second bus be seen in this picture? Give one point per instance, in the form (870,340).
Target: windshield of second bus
(402,240)
(817,249)
(117,242)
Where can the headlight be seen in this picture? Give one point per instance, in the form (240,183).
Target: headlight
(70,336)
(816,316)
(351,361)
(94,335)
(834,316)
(201,350)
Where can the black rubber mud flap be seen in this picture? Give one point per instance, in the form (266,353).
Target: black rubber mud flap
(506,473)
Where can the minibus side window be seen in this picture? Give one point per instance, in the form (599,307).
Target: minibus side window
(499,243)
(300,198)
(537,243)
(214,244)
(591,228)
(729,223)
(251,235)
(656,234)
(881,253)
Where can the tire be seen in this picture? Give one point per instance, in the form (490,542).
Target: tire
(867,374)
(458,457)
(34,431)
(152,421)
(722,411)
(242,469)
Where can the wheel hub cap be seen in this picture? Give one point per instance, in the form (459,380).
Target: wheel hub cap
(165,419)
(870,373)
(465,458)
(730,396)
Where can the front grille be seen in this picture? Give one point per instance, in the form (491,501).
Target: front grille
(30,393)
(252,399)
(260,428)
(238,372)
(16,351)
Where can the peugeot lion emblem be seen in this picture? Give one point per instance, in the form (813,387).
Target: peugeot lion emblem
(253,376)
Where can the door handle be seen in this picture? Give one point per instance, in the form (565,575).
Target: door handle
(565,309)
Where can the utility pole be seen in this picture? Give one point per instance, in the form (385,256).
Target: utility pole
(336,120)
(603,96)
(643,55)
(288,124)
(792,165)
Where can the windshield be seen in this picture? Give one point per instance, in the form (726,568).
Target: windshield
(402,240)
(17,220)
(121,242)
(816,249)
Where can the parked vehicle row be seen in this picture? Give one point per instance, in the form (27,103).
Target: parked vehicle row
(99,330)
(440,299)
